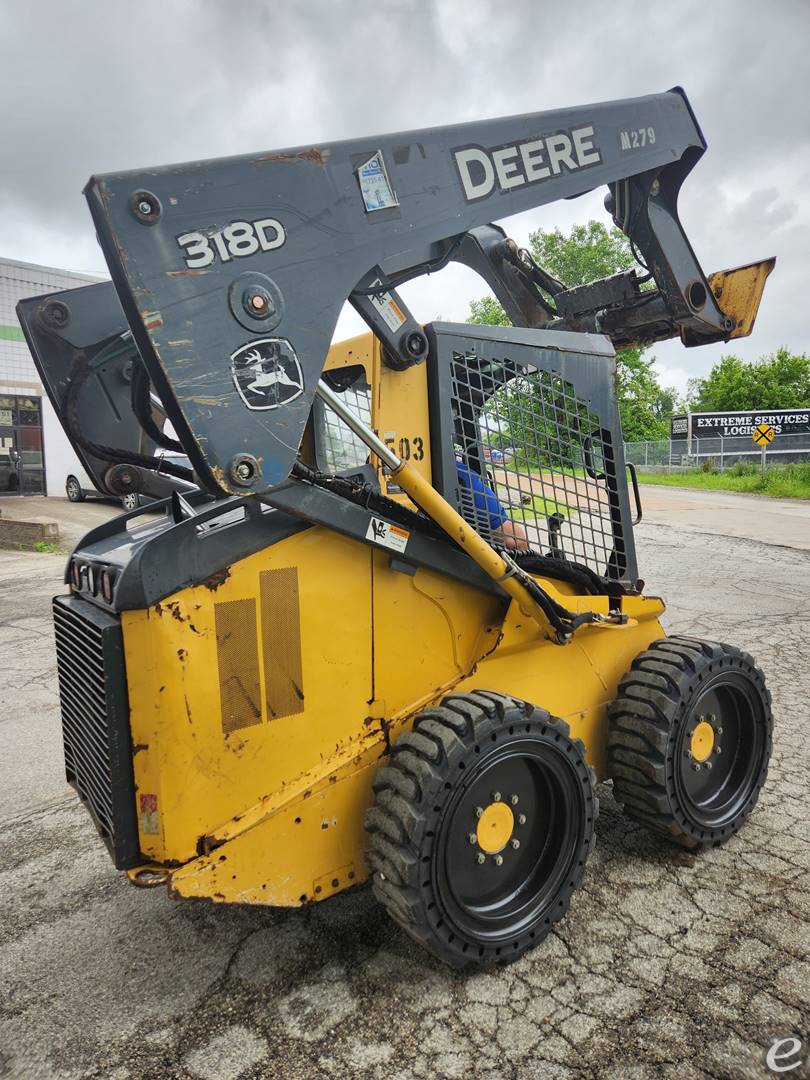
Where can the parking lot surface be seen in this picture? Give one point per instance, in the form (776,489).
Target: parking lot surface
(668,965)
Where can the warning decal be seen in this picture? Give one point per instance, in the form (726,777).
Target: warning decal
(387,307)
(390,536)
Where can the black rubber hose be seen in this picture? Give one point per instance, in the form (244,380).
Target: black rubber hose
(111,453)
(142,407)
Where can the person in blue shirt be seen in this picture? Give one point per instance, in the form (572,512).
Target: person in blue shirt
(488,511)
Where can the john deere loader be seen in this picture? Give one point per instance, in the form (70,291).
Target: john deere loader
(392,628)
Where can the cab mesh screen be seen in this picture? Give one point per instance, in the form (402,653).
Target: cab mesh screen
(531,458)
(337,448)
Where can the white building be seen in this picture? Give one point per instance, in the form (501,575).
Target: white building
(35,454)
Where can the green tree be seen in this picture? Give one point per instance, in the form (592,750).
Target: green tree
(780,380)
(589,252)
(487,310)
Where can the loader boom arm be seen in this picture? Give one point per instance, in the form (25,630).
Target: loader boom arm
(232,272)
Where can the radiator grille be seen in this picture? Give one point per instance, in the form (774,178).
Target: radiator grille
(95,721)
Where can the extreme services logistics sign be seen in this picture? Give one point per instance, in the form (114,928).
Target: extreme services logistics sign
(731,424)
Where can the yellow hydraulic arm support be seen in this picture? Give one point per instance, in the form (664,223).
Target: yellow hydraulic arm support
(519,585)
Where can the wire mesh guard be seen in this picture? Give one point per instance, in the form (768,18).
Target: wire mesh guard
(337,448)
(532,458)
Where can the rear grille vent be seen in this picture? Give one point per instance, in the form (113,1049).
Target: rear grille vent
(95,721)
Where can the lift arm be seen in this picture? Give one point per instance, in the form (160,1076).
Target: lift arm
(232,272)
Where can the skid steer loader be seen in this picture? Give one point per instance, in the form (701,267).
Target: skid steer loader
(394,628)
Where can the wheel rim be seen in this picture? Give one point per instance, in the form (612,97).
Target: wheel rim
(130,502)
(720,750)
(73,489)
(491,892)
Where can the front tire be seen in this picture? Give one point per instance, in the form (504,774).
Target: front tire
(482,823)
(690,739)
(73,490)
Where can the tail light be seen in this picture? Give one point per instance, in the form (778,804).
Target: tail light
(107,583)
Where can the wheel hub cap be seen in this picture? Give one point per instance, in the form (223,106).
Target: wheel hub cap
(495,827)
(702,741)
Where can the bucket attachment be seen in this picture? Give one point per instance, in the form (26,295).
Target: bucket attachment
(739,291)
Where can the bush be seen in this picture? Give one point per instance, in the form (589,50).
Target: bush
(743,468)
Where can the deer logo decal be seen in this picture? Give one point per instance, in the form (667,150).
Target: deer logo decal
(267,373)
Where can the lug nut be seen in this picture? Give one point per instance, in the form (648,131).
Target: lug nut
(513,799)
(696,767)
(718,749)
(708,764)
(688,754)
(515,844)
(481,858)
(521,819)
(478,811)
(472,838)
(496,796)
(719,731)
(499,860)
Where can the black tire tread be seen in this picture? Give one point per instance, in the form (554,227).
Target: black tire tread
(642,721)
(405,790)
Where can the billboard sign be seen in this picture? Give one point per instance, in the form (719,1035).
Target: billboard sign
(733,424)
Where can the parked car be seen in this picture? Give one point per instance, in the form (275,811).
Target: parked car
(157,485)
(79,486)
(9,470)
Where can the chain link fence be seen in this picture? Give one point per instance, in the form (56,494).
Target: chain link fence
(715,452)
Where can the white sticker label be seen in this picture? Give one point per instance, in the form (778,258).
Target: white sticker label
(5,416)
(375,186)
(390,536)
(387,307)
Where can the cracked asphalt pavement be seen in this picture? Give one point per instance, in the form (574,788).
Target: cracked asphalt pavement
(668,964)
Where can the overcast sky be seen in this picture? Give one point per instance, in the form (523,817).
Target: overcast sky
(94,86)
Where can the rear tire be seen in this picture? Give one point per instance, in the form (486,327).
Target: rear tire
(73,490)
(482,822)
(131,501)
(690,739)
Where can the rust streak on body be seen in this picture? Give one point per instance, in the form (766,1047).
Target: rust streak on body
(312,153)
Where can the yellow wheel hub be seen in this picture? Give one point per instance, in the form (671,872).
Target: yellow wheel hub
(702,741)
(495,827)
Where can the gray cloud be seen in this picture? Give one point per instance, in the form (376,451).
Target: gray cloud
(102,86)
